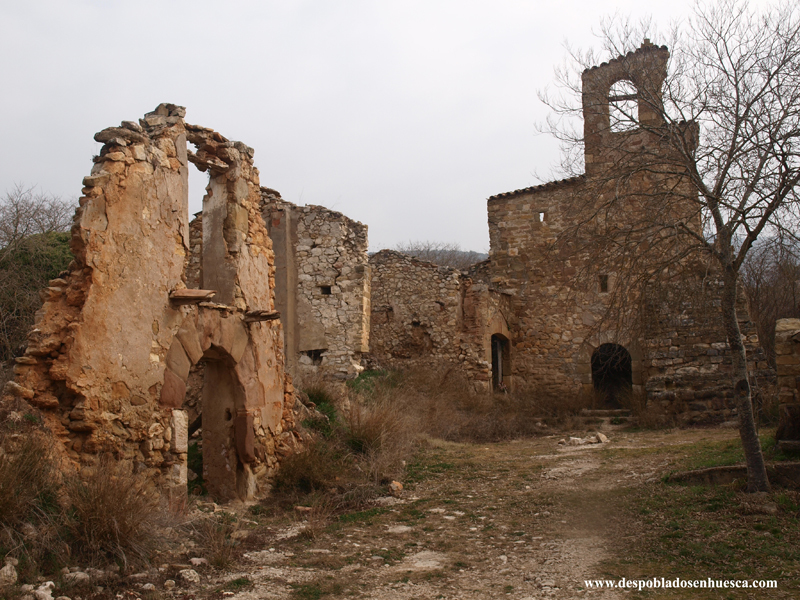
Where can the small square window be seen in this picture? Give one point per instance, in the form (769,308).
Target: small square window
(325,290)
(603,283)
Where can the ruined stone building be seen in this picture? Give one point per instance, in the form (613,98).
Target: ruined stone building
(158,320)
(322,287)
(115,342)
(424,314)
(536,314)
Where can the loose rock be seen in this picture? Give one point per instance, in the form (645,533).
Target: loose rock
(189,576)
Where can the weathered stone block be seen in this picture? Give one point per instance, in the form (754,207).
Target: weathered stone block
(173,390)
(177,360)
(180,431)
(190,339)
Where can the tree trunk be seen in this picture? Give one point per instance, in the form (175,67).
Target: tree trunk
(757,480)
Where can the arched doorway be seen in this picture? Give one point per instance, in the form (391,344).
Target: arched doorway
(501,361)
(612,374)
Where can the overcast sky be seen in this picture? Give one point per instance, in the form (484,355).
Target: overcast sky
(405,115)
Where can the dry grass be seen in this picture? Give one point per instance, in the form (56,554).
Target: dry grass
(651,415)
(317,467)
(49,518)
(113,514)
(358,443)
(382,436)
(318,518)
(441,403)
(216,536)
(364,435)
(30,511)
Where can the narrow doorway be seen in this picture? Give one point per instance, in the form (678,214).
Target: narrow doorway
(500,362)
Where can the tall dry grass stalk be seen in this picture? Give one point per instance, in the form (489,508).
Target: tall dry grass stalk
(114,514)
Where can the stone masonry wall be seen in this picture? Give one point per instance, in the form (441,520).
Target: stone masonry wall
(424,314)
(323,289)
(787,358)
(111,349)
(416,308)
(686,358)
(677,346)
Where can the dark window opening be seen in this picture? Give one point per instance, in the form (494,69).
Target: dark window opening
(314,355)
(416,323)
(325,289)
(603,283)
(612,375)
(501,362)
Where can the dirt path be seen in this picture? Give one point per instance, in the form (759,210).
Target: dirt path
(525,519)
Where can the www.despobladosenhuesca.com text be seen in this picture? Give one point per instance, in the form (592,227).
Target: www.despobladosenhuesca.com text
(677,583)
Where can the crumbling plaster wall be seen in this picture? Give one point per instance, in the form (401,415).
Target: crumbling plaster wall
(110,353)
(323,286)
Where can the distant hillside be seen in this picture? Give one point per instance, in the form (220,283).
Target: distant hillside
(442,254)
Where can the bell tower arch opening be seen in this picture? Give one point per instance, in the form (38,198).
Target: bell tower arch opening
(623,106)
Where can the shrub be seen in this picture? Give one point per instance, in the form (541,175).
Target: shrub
(30,513)
(113,514)
(315,468)
(381,434)
(216,536)
(441,402)
(650,415)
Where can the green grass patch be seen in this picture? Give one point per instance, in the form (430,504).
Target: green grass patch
(362,516)
(236,585)
(368,381)
(699,532)
(195,463)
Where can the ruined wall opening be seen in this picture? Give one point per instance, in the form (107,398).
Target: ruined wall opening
(501,361)
(612,374)
(312,357)
(222,396)
(623,106)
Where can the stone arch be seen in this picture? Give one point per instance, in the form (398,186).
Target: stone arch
(221,340)
(632,346)
(612,375)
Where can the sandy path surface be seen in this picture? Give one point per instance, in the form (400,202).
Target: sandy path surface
(518,520)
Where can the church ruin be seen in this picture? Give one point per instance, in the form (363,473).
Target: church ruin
(535,314)
(160,320)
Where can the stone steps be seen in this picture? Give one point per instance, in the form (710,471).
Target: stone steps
(606,412)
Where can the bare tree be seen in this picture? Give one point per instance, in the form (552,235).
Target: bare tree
(443,254)
(34,248)
(692,171)
(771,278)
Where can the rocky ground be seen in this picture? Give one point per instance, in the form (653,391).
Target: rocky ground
(520,520)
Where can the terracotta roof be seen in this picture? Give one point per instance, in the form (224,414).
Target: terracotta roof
(550,185)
